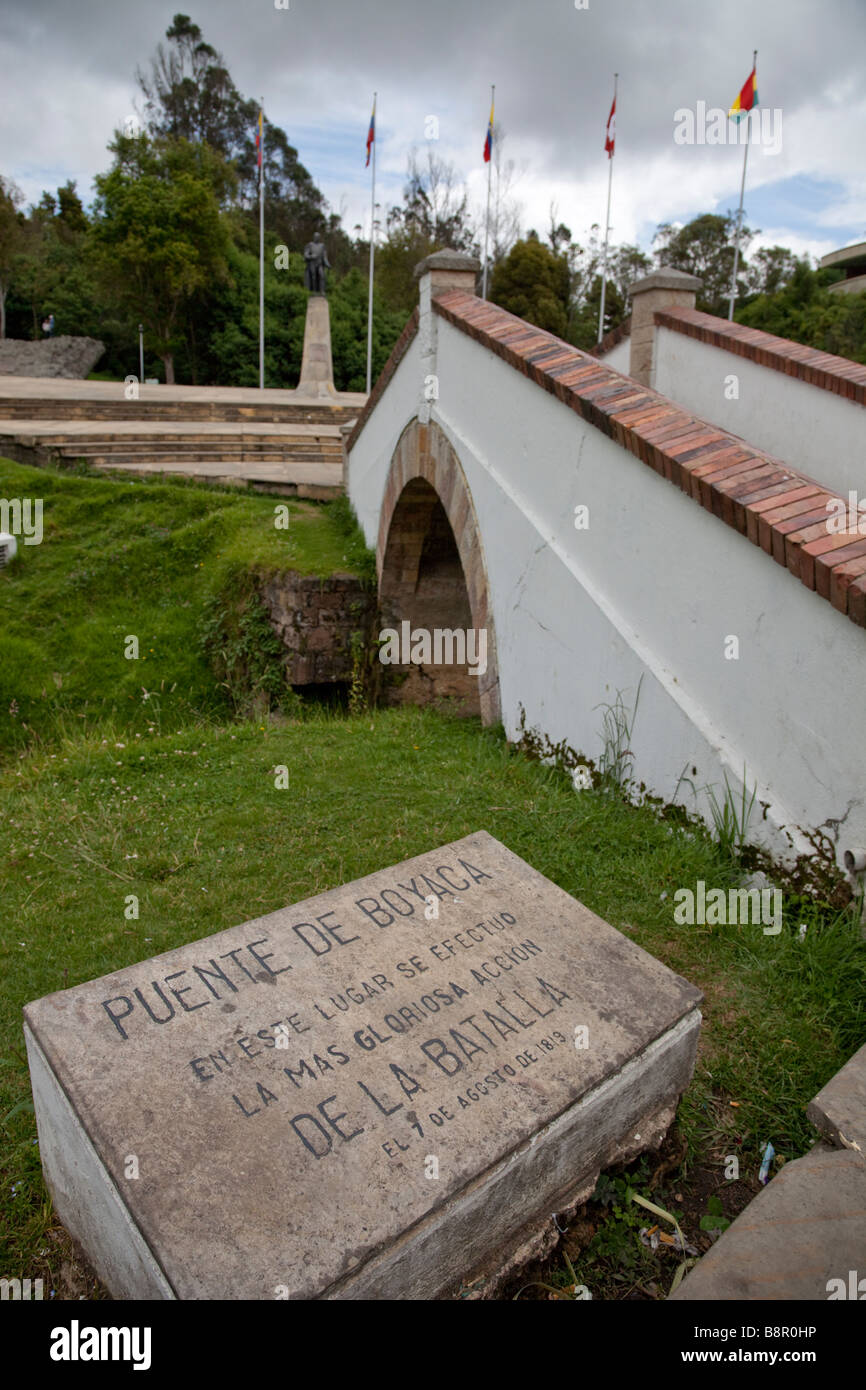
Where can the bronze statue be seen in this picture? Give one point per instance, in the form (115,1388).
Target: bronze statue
(316,258)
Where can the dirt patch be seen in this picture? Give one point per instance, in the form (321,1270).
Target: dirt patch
(65,1270)
(603,1241)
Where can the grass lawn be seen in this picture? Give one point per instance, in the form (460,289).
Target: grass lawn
(138,559)
(99,800)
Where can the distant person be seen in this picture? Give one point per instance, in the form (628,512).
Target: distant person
(48,326)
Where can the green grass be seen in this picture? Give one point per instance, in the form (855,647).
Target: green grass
(104,794)
(192,824)
(141,559)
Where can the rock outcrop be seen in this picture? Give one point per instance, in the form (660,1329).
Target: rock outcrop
(58,357)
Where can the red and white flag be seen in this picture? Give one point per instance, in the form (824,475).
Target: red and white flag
(610,135)
(371,133)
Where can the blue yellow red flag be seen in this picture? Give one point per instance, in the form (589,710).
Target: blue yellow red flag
(748,97)
(488,143)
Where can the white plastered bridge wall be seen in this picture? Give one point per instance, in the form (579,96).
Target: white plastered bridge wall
(651,590)
(618,357)
(820,432)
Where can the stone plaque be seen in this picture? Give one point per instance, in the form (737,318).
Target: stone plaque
(362,1096)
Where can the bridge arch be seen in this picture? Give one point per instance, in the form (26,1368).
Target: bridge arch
(430,561)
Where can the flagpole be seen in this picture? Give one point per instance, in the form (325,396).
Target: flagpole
(742,193)
(496,201)
(262,251)
(606,231)
(372,253)
(487,220)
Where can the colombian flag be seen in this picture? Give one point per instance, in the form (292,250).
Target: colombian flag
(259,139)
(748,97)
(488,143)
(371,133)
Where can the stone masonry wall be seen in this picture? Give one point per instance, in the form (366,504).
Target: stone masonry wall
(54,357)
(315,619)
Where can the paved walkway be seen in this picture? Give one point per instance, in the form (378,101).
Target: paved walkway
(156,429)
(42,388)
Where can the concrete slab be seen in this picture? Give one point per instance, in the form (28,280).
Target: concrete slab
(51,430)
(315,481)
(807,1228)
(361,1096)
(42,388)
(839,1108)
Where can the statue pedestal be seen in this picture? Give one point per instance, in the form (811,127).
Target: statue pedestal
(317,370)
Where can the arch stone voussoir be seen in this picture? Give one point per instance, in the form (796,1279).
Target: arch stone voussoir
(424,453)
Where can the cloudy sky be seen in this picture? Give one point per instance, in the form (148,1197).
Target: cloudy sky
(69,80)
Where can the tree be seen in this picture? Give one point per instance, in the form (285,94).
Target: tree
(34,277)
(71,216)
(159,238)
(222,328)
(12,238)
(396,260)
(349,332)
(625,264)
(533,283)
(805,311)
(49,274)
(189,95)
(559,235)
(435,207)
(705,247)
(54,274)
(505,210)
(433,216)
(771,269)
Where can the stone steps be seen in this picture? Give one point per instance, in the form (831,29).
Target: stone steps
(146,451)
(189,444)
(273,440)
(178,464)
(242,467)
(141,448)
(288,413)
(176,439)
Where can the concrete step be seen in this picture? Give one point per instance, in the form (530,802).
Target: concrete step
(317,481)
(273,441)
(188,448)
(234,447)
(266,469)
(191,461)
(188,438)
(49,408)
(839,1108)
(806,1228)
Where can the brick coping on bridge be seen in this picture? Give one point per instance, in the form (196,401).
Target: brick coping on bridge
(398,352)
(612,339)
(778,508)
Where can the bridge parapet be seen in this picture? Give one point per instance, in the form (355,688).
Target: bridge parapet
(600,580)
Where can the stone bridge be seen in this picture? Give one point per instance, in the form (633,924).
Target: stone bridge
(615,546)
